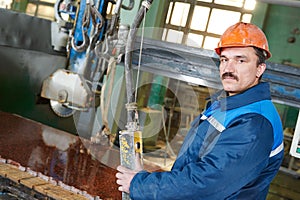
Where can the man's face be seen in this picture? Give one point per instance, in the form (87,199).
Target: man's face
(238,69)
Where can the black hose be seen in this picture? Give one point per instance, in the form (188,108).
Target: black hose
(130,6)
(128,56)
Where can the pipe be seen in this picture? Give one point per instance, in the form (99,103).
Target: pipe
(118,7)
(116,15)
(291,3)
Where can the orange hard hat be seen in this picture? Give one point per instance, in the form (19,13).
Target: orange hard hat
(244,34)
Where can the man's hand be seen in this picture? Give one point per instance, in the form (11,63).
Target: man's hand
(125,175)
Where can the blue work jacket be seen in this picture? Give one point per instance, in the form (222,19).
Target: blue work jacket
(232,151)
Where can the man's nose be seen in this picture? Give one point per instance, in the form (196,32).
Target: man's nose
(229,66)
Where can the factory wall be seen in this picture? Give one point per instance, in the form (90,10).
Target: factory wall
(282,26)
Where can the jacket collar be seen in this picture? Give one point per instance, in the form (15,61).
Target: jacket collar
(256,93)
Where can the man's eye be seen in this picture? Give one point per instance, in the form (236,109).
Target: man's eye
(241,61)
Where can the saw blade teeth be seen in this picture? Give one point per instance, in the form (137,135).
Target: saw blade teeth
(61,110)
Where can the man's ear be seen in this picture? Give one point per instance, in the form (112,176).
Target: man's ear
(260,69)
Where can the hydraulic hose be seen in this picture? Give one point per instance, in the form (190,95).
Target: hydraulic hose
(128,55)
(128,147)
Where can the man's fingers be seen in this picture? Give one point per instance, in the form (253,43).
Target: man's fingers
(123,169)
(119,182)
(124,177)
(119,168)
(119,175)
(120,189)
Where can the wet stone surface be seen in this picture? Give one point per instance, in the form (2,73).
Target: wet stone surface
(64,157)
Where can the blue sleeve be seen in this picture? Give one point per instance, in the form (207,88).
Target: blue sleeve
(238,157)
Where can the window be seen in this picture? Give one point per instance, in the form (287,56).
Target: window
(43,9)
(5,4)
(200,23)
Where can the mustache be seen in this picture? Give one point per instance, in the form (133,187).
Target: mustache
(229,75)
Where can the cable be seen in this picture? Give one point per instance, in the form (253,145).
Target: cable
(140,56)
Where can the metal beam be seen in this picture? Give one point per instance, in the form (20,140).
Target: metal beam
(200,66)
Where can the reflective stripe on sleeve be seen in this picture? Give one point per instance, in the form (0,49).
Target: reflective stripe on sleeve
(214,122)
(217,125)
(277,150)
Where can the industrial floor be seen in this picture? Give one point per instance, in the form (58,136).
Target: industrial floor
(285,186)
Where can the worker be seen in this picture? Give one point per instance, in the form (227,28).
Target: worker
(235,147)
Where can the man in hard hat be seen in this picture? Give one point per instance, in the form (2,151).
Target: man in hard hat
(234,148)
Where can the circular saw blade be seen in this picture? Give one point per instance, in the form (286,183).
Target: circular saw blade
(60,109)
